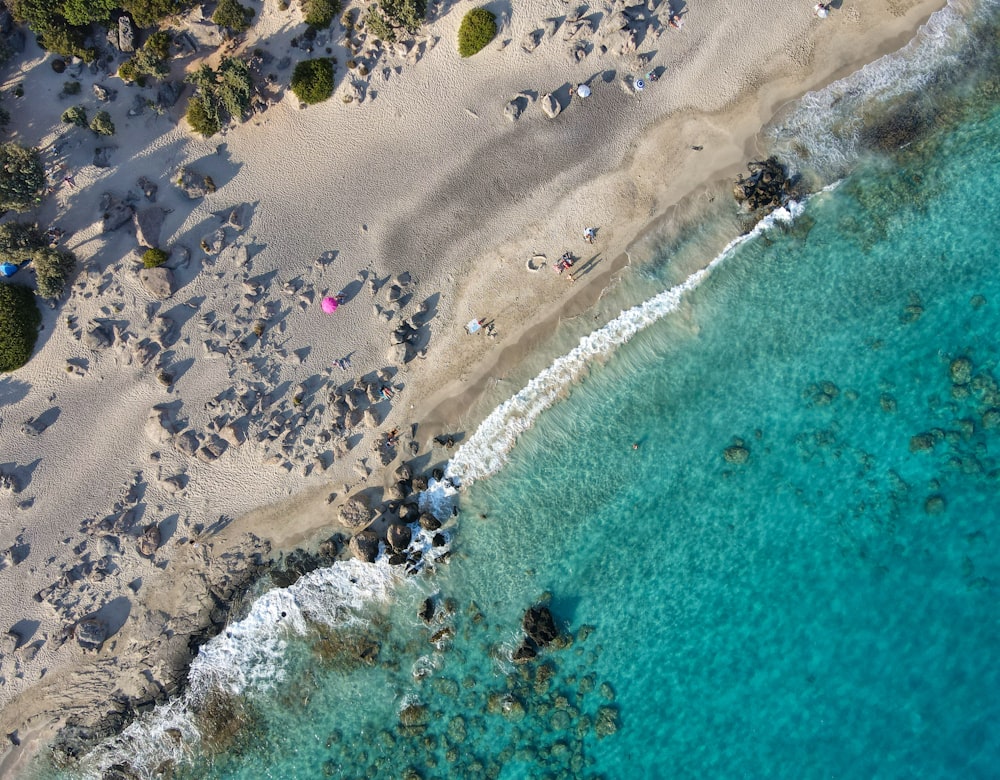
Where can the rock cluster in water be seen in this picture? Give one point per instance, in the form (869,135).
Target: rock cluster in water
(766,188)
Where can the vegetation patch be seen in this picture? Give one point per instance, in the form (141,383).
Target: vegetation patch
(102,124)
(154,258)
(389,19)
(220,96)
(320,13)
(75,115)
(477,29)
(312,81)
(233,15)
(22,177)
(19,321)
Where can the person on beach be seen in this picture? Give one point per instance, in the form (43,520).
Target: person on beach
(676,21)
(589,234)
(821,10)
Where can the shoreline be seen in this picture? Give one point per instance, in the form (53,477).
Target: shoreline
(306,515)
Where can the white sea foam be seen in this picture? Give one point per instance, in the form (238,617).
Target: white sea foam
(249,657)
(822,131)
(488,448)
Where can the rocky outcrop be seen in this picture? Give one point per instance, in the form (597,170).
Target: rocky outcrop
(158,282)
(364,546)
(356,513)
(766,188)
(194,184)
(539,625)
(115,213)
(148,224)
(398,536)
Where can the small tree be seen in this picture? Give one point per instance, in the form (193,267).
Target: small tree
(19,321)
(154,258)
(102,124)
(75,115)
(320,13)
(232,15)
(477,29)
(22,177)
(312,80)
(52,270)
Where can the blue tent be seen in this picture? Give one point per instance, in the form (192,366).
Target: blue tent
(8,269)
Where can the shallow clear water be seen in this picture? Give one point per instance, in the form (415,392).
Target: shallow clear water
(822,606)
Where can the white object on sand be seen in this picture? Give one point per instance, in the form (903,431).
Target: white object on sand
(639,85)
(583,91)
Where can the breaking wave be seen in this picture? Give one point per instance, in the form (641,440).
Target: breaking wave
(488,448)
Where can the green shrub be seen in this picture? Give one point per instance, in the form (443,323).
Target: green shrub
(148,12)
(102,124)
(201,118)
(232,15)
(312,81)
(320,13)
(71,88)
(19,321)
(22,177)
(219,95)
(153,258)
(75,115)
(477,29)
(80,13)
(158,44)
(52,270)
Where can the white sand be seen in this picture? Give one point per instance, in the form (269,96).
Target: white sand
(425,177)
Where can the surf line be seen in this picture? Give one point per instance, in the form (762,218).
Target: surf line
(488,449)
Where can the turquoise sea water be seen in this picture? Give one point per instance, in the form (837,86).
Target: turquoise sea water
(821,603)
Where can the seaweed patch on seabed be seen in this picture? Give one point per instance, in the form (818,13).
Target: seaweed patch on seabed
(546,703)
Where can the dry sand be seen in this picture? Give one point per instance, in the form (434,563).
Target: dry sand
(424,185)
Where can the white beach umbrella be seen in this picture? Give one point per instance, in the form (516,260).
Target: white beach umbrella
(583,91)
(639,85)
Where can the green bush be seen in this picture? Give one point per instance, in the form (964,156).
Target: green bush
(75,115)
(52,270)
(19,321)
(320,13)
(202,120)
(148,12)
(312,81)
(22,177)
(477,29)
(232,15)
(102,124)
(219,95)
(71,88)
(153,258)
(158,44)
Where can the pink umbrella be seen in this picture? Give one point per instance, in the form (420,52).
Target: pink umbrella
(329,305)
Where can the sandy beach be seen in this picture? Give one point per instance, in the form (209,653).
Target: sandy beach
(233,417)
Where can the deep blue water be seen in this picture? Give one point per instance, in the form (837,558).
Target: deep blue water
(820,603)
